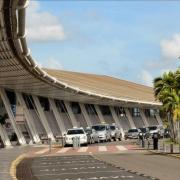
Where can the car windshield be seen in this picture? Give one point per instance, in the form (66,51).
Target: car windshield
(152,128)
(112,127)
(98,128)
(143,130)
(132,130)
(75,131)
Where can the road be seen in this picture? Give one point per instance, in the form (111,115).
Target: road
(79,164)
(78,167)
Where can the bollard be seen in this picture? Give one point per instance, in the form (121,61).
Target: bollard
(50,144)
(149,144)
(79,144)
(171,148)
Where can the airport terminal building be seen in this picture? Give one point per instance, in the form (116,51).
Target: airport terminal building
(45,102)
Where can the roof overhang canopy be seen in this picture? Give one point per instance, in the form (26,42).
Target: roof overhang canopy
(18,70)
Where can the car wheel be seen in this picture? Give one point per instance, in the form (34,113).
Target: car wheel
(65,145)
(98,141)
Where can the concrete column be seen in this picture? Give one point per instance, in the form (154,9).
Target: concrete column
(144,117)
(99,113)
(4,136)
(116,119)
(71,114)
(57,116)
(129,117)
(29,118)
(7,105)
(43,118)
(85,114)
(158,118)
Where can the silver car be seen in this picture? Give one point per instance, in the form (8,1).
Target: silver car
(132,134)
(92,136)
(103,131)
(115,132)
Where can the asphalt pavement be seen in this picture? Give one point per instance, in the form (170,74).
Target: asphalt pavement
(78,167)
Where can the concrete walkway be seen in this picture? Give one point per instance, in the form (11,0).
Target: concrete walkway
(162,167)
(7,155)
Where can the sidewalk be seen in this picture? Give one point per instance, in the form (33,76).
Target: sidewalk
(7,155)
(163,148)
(151,164)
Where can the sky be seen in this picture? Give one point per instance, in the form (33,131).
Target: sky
(132,40)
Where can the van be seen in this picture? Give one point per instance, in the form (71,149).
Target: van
(103,131)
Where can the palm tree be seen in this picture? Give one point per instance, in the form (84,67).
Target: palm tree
(167,91)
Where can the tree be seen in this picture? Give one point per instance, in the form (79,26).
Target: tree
(167,91)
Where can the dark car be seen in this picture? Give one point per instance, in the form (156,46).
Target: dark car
(145,132)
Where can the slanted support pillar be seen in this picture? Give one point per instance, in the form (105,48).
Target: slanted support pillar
(7,105)
(29,118)
(57,116)
(43,118)
(158,118)
(144,118)
(129,117)
(99,113)
(71,114)
(4,137)
(85,114)
(116,119)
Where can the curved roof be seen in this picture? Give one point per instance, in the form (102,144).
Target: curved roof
(20,72)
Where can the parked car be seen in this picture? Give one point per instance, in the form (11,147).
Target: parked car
(145,132)
(103,131)
(156,129)
(115,132)
(73,133)
(92,136)
(132,134)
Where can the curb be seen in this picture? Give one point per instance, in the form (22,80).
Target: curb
(14,165)
(165,154)
(124,169)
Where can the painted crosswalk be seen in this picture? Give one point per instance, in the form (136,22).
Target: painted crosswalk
(83,149)
(121,148)
(63,150)
(42,151)
(102,148)
(89,149)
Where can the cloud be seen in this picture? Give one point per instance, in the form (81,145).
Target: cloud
(170,48)
(43,26)
(51,64)
(146,78)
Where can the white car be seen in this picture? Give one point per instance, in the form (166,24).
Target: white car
(156,129)
(73,133)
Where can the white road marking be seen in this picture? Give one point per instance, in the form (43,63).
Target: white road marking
(83,149)
(102,148)
(121,148)
(42,151)
(63,150)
